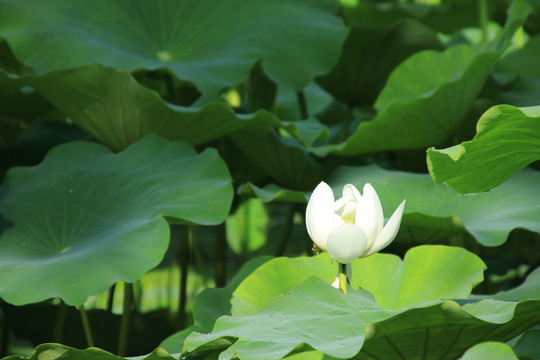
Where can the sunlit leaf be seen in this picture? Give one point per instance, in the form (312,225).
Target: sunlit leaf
(507,140)
(370,55)
(427,273)
(424,101)
(490,350)
(428,95)
(85,217)
(352,325)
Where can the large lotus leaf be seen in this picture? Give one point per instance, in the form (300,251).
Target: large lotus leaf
(85,217)
(58,352)
(370,55)
(507,140)
(419,109)
(489,216)
(314,315)
(116,110)
(426,273)
(428,95)
(212,44)
(490,350)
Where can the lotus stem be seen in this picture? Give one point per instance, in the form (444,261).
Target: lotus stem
(343,277)
(286,235)
(4,338)
(59,322)
(110,298)
(220,276)
(86,326)
(347,120)
(183,258)
(483,19)
(302,104)
(124,322)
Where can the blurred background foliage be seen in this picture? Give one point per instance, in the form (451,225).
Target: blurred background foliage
(288,93)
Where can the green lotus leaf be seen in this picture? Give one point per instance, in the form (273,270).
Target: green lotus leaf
(417,109)
(530,289)
(85,217)
(352,325)
(507,140)
(307,131)
(490,350)
(525,92)
(309,355)
(272,192)
(522,61)
(426,273)
(210,44)
(370,55)
(428,95)
(489,217)
(58,351)
(286,161)
(116,110)
(527,345)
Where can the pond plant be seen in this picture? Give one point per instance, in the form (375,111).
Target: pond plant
(181,179)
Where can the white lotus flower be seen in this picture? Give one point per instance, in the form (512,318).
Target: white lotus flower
(352,226)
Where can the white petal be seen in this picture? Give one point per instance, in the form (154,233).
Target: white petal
(346,205)
(389,232)
(320,214)
(336,282)
(351,191)
(369,214)
(346,243)
(339,206)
